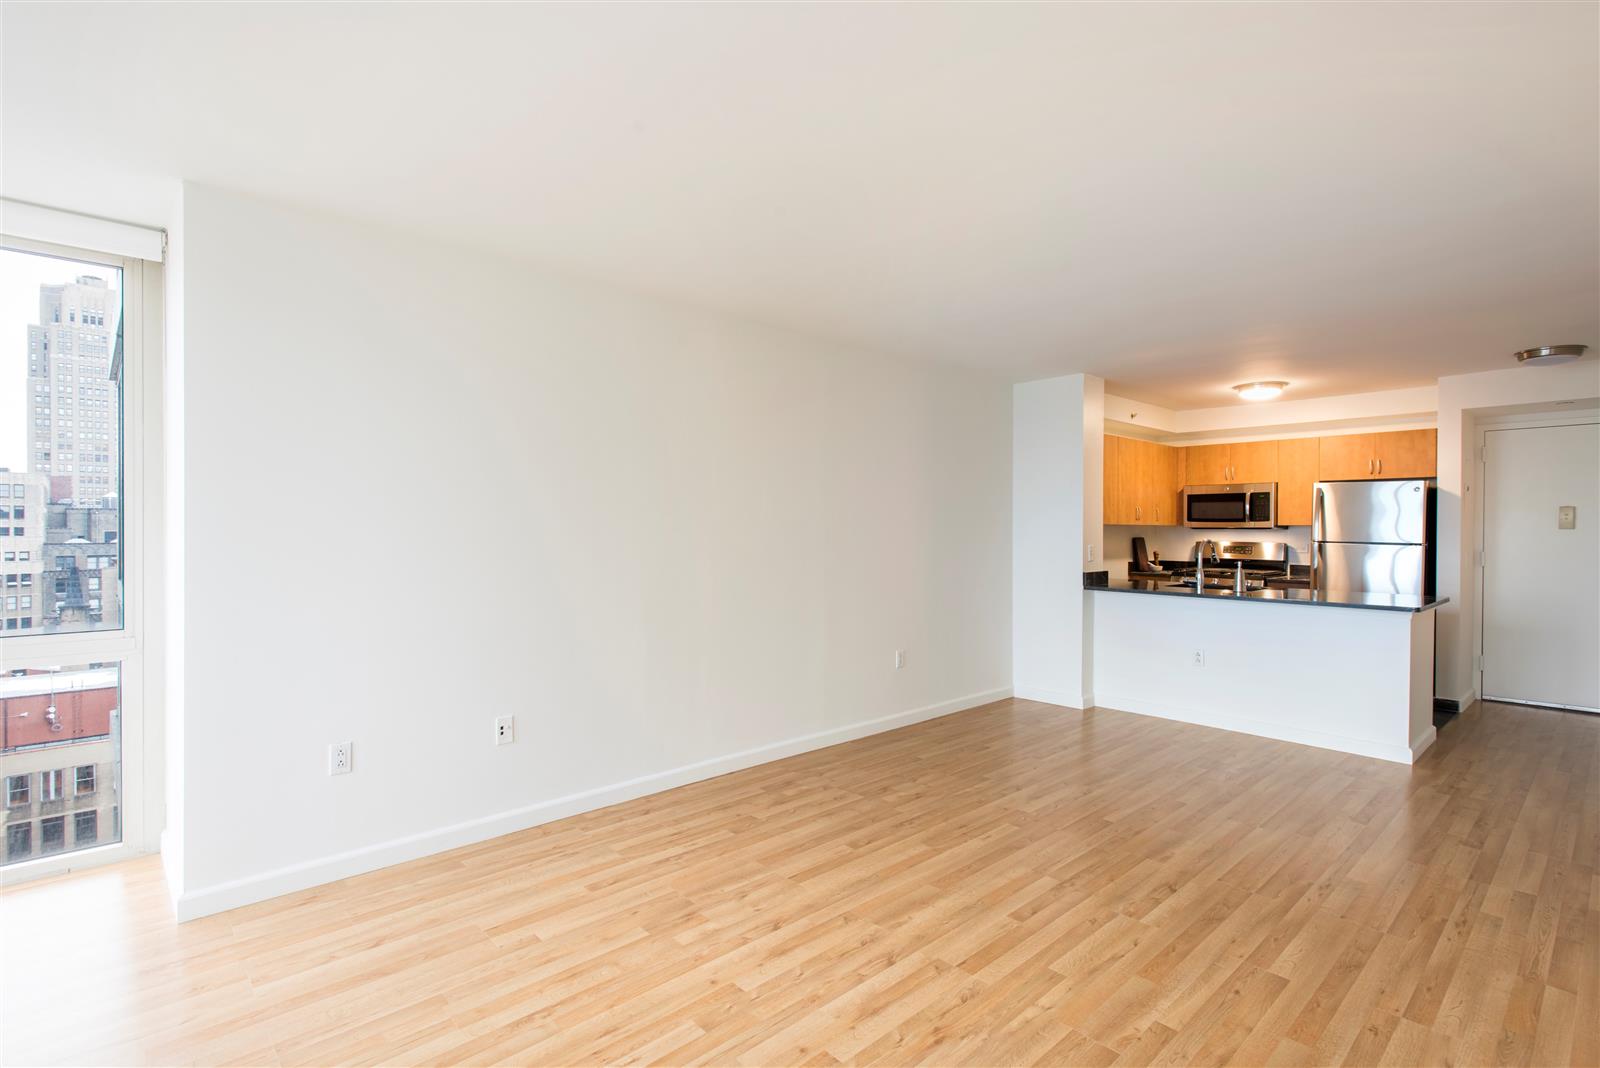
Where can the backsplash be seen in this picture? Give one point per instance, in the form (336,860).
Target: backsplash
(1177,543)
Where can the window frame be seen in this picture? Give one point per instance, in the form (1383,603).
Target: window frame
(137,776)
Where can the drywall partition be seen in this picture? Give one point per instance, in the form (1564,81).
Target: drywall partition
(1057,427)
(1463,401)
(426,487)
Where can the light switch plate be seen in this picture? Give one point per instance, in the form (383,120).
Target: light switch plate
(1567,517)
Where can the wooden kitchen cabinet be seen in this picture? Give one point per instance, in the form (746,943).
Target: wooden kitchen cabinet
(1111,478)
(1390,454)
(1298,460)
(1207,464)
(1242,461)
(1253,461)
(1141,483)
(1346,457)
(1407,453)
(1143,478)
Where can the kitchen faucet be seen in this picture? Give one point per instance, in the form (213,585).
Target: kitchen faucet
(1201,547)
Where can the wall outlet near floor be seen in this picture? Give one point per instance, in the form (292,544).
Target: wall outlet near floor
(341,758)
(505,729)
(899,659)
(1199,658)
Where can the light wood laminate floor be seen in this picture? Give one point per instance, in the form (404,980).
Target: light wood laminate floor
(1014,884)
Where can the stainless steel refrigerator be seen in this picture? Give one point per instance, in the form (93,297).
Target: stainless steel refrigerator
(1373,537)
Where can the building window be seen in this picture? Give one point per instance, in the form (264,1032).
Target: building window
(17,792)
(83,781)
(52,785)
(53,834)
(85,828)
(19,841)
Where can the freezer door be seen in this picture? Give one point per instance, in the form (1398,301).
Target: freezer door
(1353,568)
(1386,511)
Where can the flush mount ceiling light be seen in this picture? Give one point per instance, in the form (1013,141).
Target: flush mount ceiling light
(1260,390)
(1545,354)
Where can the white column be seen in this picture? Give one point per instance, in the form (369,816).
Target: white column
(1057,425)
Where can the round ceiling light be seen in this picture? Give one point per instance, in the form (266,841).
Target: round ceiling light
(1260,390)
(1545,354)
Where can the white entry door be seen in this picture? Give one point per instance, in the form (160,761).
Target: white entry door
(1541,567)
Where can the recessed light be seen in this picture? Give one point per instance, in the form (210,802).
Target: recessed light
(1544,354)
(1260,390)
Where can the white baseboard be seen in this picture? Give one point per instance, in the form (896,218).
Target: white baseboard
(223,896)
(1052,697)
(1420,743)
(1399,754)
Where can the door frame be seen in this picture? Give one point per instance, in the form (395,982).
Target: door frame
(1483,427)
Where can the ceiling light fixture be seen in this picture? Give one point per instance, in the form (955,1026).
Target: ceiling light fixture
(1260,390)
(1546,354)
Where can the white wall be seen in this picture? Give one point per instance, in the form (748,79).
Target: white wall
(1464,400)
(1057,428)
(423,487)
(1266,669)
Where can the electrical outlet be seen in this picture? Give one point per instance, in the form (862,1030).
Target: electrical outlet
(1091,553)
(505,730)
(899,659)
(1199,658)
(341,758)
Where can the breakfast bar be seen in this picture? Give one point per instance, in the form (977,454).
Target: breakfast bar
(1345,671)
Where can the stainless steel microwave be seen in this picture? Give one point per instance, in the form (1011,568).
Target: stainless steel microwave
(1248,504)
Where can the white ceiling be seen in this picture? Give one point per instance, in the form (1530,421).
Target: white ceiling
(1349,196)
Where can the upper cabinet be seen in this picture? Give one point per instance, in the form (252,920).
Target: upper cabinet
(1297,477)
(1392,454)
(1408,454)
(1208,464)
(1253,461)
(1242,461)
(1347,456)
(1142,480)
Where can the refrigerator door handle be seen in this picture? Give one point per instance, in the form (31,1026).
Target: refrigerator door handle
(1316,537)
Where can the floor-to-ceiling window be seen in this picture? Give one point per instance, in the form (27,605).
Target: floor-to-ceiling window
(69,634)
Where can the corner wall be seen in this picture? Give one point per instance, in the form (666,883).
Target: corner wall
(423,487)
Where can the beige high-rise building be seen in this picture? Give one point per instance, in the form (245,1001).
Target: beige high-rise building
(72,401)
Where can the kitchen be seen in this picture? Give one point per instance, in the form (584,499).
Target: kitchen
(1145,485)
(1335,531)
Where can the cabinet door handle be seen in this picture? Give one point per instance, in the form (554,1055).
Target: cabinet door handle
(1380,465)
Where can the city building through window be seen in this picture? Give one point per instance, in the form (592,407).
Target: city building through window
(63,360)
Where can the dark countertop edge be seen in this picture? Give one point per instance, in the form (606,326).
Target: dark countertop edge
(1258,599)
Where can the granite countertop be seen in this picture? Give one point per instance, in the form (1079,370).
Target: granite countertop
(1383,602)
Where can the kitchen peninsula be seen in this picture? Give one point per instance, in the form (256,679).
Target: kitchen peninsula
(1345,671)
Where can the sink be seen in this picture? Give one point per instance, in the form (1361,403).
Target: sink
(1221,585)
